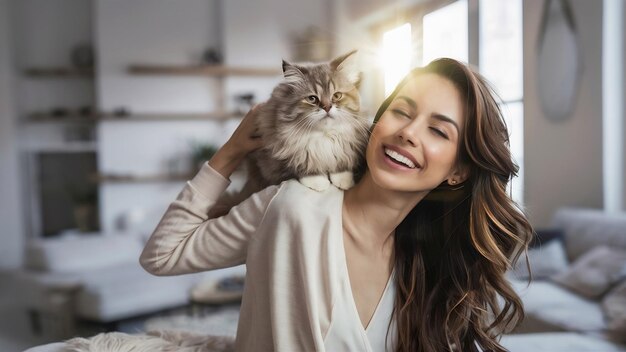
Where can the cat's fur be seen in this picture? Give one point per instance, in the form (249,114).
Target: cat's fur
(153,341)
(308,131)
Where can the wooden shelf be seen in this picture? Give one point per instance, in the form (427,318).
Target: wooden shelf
(75,118)
(171,117)
(68,147)
(201,70)
(58,72)
(70,118)
(120,178)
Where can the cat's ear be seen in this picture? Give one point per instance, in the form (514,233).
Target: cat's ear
(336,62)
(348,68)
(286,66)
(291,71)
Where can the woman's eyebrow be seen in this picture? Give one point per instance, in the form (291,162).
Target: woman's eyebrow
(409,101)
(445,118)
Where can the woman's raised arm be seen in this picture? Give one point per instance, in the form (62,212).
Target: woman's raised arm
(186,240)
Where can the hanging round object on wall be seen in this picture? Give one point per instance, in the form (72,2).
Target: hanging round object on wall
(559,60)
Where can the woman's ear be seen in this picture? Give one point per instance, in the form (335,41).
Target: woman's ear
(458,175)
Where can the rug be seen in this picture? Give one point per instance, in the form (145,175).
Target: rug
(215,321)
(161,341)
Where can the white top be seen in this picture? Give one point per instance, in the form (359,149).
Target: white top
(297,294)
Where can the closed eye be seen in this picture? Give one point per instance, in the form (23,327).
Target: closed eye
(401,113)
(439,132)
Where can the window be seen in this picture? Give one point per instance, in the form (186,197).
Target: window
(446,33)
(501,62)
(396,55)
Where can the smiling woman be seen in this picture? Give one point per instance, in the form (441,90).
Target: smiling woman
(453,246)
(412,258)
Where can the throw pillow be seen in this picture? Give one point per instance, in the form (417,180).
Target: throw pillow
(594,273)
(614,307)
(545,261)
(545,236)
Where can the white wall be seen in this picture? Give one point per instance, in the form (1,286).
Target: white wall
(252,34)
(11,212)
(563,161)
(151,32)
(154,32)
(624,107)
(257,34)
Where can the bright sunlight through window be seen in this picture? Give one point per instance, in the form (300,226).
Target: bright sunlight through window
(396,55)
(446,33)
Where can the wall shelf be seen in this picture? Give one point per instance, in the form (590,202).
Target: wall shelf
(201,70)
(58,72)
(68,147)
(171,116)
(93,118)
(70,118)
(129,178)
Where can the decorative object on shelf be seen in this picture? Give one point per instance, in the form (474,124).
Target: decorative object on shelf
(82,56)
(201,152)
(244,102)
(559,60)
(85,111)
(201,70)
(312,44)
(59,112)
(212,56)
(121,112)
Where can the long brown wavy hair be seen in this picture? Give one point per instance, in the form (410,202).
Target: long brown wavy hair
(453,249)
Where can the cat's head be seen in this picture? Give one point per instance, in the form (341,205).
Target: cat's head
(325,94)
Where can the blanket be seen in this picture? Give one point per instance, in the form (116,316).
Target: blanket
(152,341)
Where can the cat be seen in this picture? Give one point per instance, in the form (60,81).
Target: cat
(311,128)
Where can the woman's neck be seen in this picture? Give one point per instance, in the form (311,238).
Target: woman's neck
(371,214)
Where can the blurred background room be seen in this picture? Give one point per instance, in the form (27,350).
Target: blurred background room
(107,107)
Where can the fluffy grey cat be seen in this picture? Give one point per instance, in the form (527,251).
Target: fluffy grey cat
(311,129)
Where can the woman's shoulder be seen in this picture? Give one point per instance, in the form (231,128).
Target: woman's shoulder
(292,194)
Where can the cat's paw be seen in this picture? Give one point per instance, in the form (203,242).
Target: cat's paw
(342,180)
(318,182)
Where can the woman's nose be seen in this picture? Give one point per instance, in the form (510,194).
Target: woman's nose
(409,134)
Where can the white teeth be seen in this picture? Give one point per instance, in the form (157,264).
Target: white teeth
(400,158)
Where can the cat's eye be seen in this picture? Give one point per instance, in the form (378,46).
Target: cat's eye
(337,95)
(313,99)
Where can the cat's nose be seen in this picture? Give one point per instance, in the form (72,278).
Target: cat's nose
(327,107)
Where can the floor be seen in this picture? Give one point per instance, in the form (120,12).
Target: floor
(16,333)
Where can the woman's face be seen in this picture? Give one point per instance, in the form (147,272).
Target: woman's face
(413,147)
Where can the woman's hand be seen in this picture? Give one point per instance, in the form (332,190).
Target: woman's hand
(243,141)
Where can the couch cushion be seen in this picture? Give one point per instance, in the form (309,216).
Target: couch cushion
(127,290)
(80,253)
(557,307)
(588,228)
(545,260)
(595,272)
(614,306)
(558,342)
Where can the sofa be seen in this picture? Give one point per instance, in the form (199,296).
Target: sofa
(96,278)
(577,295)
(557,318)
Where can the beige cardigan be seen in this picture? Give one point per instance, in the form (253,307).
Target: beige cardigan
(290,238)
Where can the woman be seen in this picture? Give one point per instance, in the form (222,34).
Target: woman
(412,258)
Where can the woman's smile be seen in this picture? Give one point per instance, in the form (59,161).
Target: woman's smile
(399,159)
